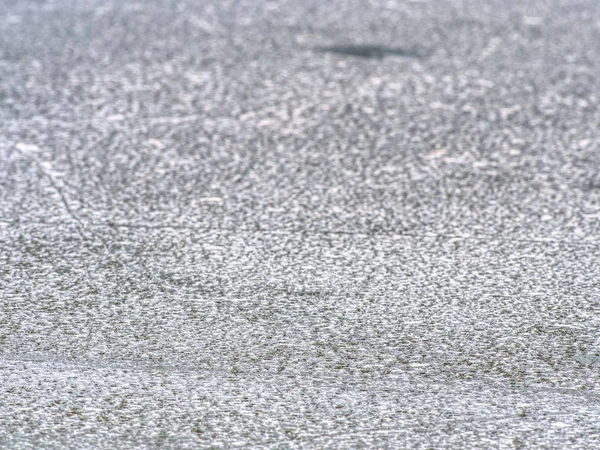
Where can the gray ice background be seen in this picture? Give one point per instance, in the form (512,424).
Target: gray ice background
(299,224)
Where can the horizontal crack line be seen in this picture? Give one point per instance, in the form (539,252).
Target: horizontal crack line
(309,231)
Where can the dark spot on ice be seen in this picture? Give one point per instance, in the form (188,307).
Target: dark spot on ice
(591,185)
(370,51)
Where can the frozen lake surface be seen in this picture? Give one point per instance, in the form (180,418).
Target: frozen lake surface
(299,224)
